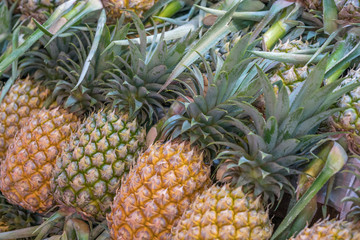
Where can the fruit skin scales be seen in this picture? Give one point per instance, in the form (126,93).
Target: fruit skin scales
(27,168)
(330,230)
(157,191)
(114,8)
(24,99)
(224,213)
(90,168)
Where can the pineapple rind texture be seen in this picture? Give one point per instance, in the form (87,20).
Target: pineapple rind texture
(330,230)
(157,191)
(224,213)
(24,99)
(115,8)
(27,168)
(90,169)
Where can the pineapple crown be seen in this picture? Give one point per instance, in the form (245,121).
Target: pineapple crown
(275,143)
(210,114)
(61,62)
(135,86)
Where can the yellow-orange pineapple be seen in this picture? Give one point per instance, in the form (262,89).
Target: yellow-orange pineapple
(24,99)
(27,168)
(170,174)
(225,213)
(157,191)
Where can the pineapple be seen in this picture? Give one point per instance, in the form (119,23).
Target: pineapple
(289,75)
(258,166)
(171,173)
(24,99)
(38,9)
(27,168)
(108,142)
(225,213)
(330,230)
(157,191)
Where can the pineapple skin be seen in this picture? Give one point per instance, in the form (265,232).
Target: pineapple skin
(91,166)
(27,168)
(158,190)
(24,99)
(115,8)
(224,213)
(330,230)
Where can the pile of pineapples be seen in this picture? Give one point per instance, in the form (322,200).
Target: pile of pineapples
(118,124)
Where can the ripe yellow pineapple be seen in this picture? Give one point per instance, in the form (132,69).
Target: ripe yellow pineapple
(24,99)
(258,166)
(157,191)
(330,230)
(27,168)
(224,213)
(170,174)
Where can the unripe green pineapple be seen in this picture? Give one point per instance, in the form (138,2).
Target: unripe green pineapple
(289,75)
(98,156)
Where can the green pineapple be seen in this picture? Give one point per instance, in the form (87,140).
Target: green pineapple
(289,75)
(108,142)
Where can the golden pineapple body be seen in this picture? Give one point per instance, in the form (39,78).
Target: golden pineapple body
(27,168)
(24,99)
(90,168)
(224,213)
(330,230)
(157,192)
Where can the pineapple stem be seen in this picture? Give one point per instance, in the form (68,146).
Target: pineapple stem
(307,214)
(330,16)
(280,28)
(171,9)
(336,159)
